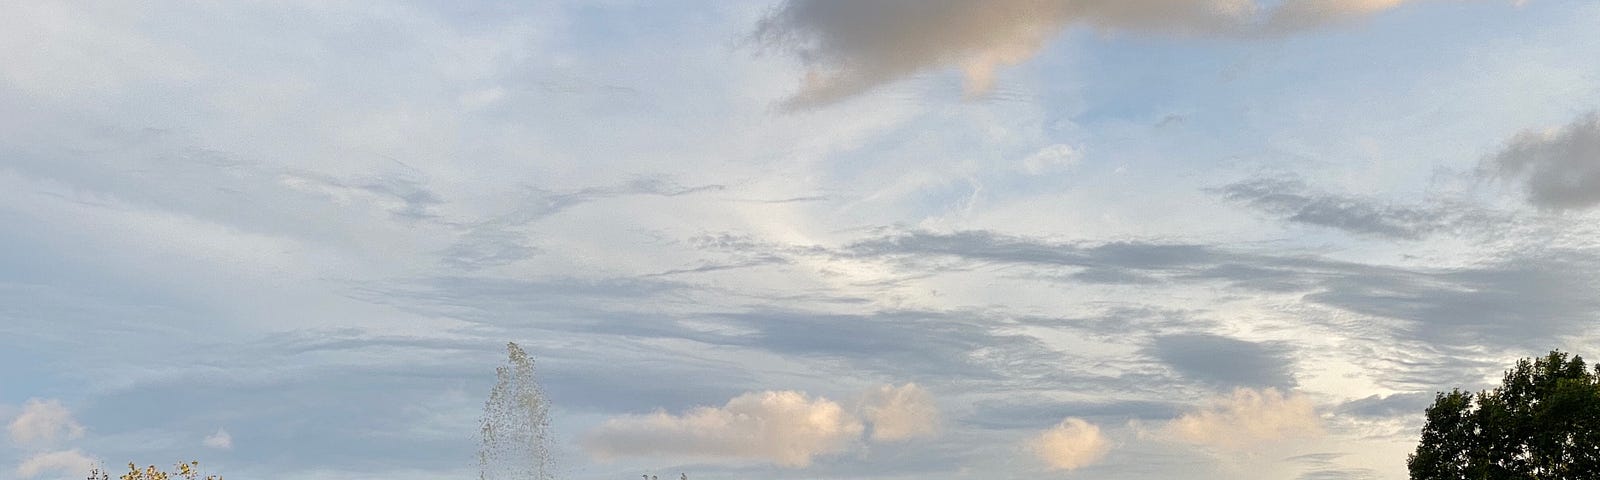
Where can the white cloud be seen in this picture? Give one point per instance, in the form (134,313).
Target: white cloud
(1559,168)
(900,413)
(851,47)
(1247,419)
(63,50)
(1049,158)
(786,428)
(1070,445)
(220,440)
(70,462)
(43,422)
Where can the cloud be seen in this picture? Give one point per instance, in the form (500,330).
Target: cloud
(1523,300)
(1325,466)
(1070,445)
(1303,14)
(1387,406)
(1225,362)
(900,413)
(220,440)
(502,240)
(1295,202)
(1559,168)
(1054,157)
(1028,411)
(403,197)
(1339,474)
(43,422)
(851,47)
(786,428)
(71,462)
(1247,419)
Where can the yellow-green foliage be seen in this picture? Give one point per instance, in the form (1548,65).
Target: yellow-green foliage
(182,471)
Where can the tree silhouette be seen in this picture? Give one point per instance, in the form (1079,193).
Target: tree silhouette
(1541,423)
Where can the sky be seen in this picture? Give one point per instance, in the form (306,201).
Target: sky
(786,239)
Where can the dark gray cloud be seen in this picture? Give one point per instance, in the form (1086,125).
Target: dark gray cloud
(959,349)
(978,349)
(1339,474)
(1435,327)
(929,346)
(1417,328)
(1117,322)
(1523,301)
(1225,362)
(1388,406)
(1293,201)
(1032,412)
(915,345)
(1111,276)
(1558,169)
(1325,466)
(1528,298)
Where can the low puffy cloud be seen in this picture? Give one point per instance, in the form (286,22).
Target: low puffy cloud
(787,428)
(1070,445)
(850,47)
(220,440)
(72,462)
(43,422)
(1559,168)
(1248,418)
(900,413)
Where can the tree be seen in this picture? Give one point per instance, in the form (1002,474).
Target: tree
(1541,423)
(182,471)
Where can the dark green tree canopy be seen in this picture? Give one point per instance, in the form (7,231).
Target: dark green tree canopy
(1541,423)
